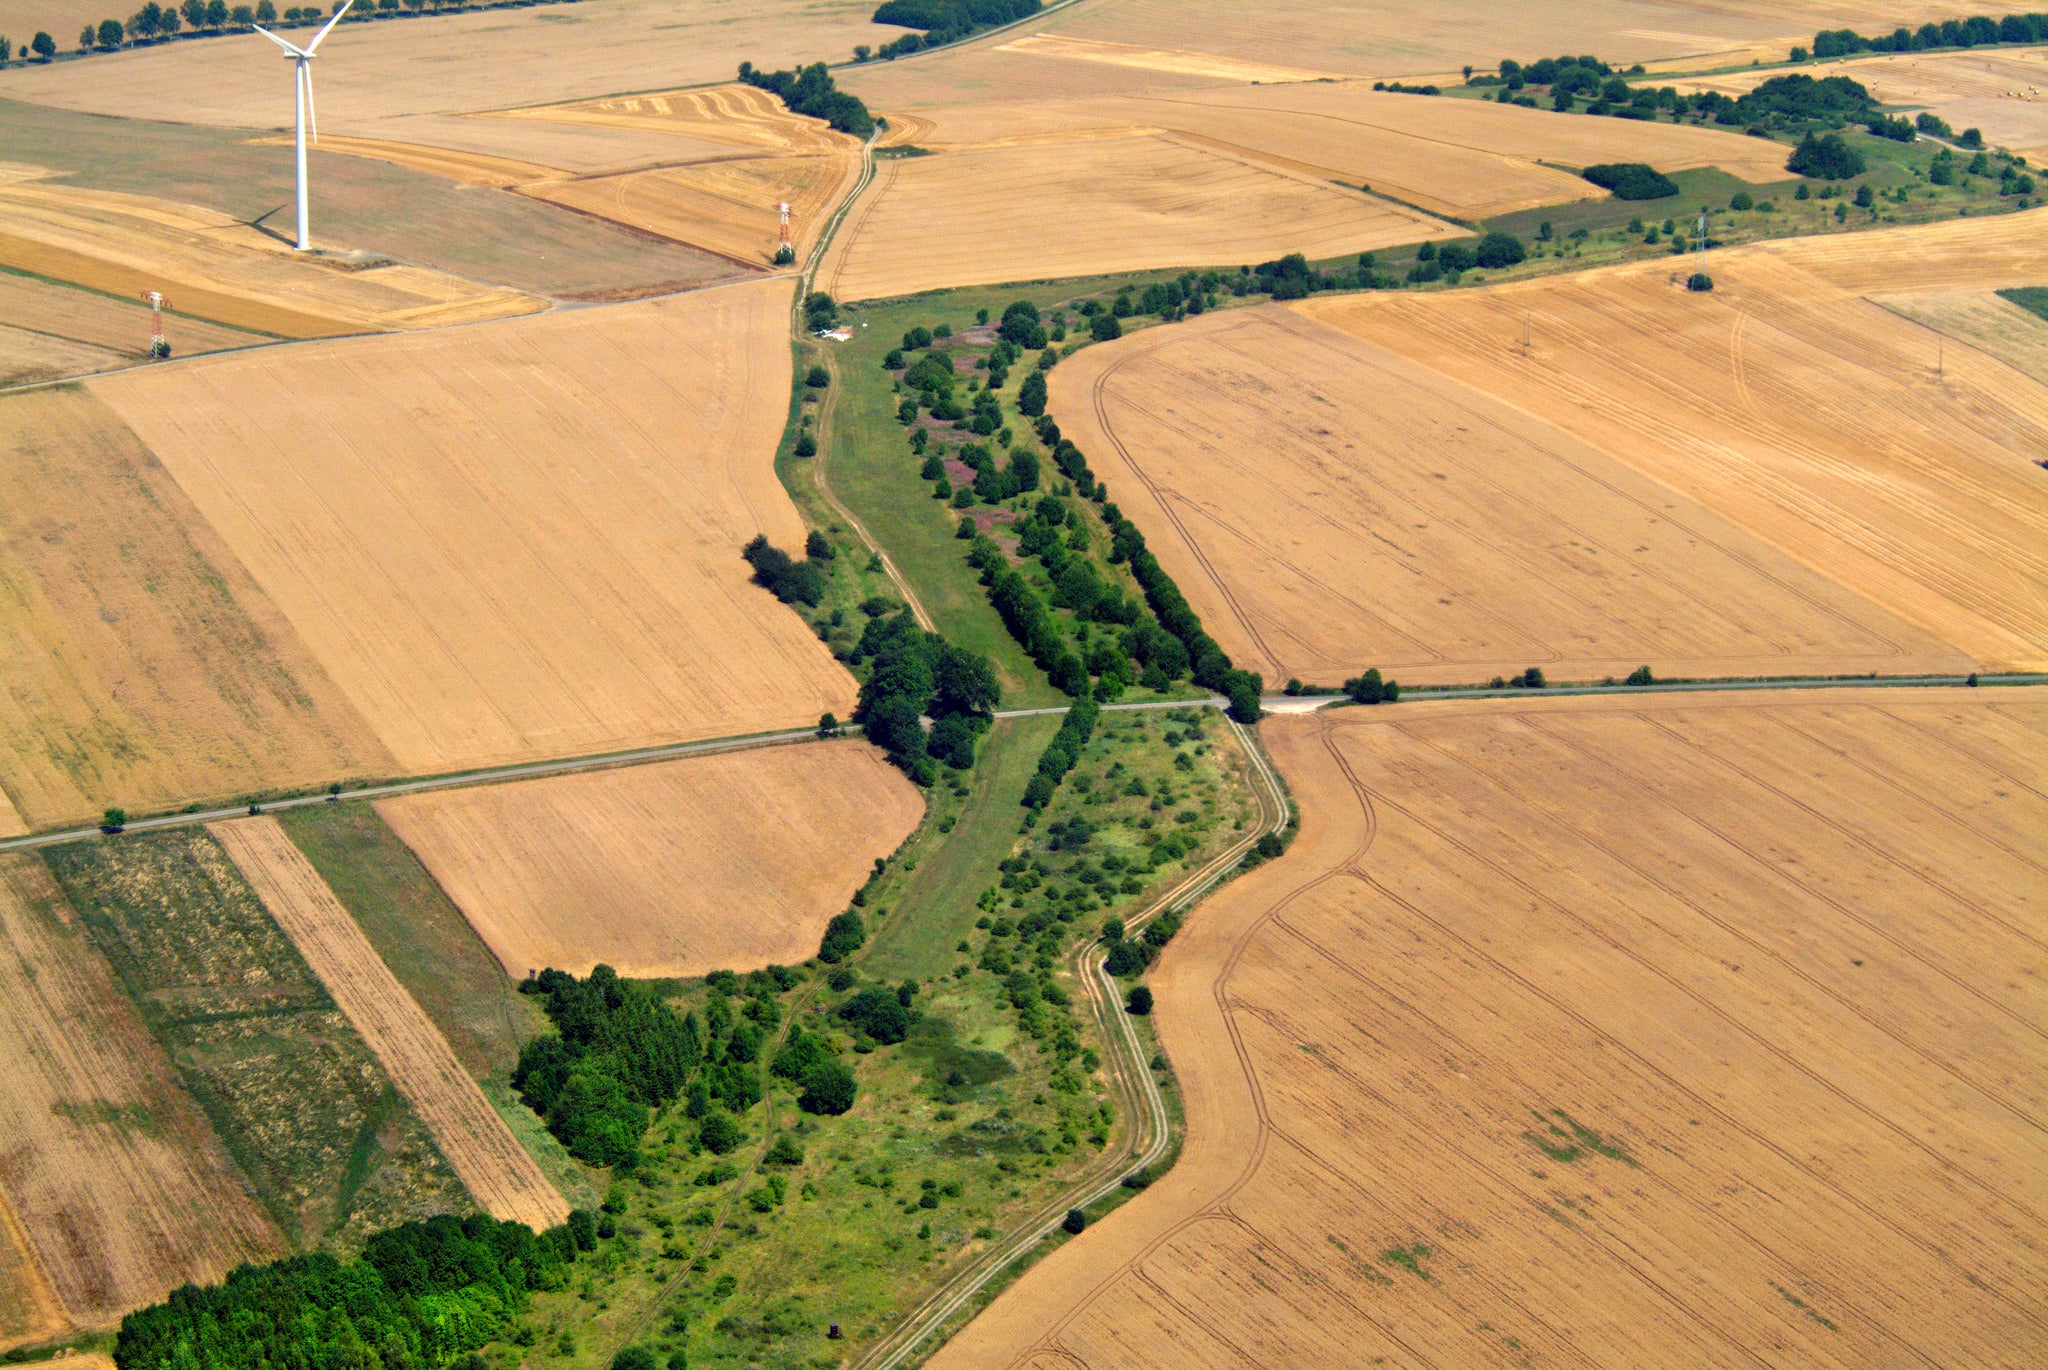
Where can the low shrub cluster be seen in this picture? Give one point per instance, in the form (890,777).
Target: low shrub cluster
(1632,180)
(789,580)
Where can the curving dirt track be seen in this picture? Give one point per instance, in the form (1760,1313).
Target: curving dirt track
(492,1165)
(1657,1031)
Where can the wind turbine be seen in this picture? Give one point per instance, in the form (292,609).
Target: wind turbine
(302,85)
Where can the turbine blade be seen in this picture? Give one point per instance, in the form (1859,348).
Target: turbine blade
(330,24)
(312,120)
(288,47)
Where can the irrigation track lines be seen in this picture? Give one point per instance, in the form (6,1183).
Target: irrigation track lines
(1131,1075)
(804,281)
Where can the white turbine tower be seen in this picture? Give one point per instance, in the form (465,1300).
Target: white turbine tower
(302,86)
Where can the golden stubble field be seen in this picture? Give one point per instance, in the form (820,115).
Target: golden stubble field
(116,1186)
(1982,319)
(1124,203)
(213,266)
(1787,403)
(143,666)
(518,540)
(1468,159)
(726,862)
(1387,516)
(1663,1031)
(53,331)
(496,1170)
(453,64)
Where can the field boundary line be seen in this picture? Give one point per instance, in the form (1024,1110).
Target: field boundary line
(496,1170)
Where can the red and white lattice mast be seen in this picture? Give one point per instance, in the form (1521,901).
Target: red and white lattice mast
(158,347)
(785,250)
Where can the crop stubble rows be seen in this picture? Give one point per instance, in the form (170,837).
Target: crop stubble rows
(486,1157)
(1647,1032)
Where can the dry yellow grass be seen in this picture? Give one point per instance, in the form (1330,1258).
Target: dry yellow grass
(1656,1032)
(486,1157)
(120,1186)
(1984,320)
(1792,407)
(727,206)
(143,667)
(1327,505)
(733,116)
(119,325)
(458,63)
(1124,203)
(715,862)
(2001,91)
(518,540)
(215,267)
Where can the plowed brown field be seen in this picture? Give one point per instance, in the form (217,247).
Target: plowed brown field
(120,1187)
(493,1167)
(711,863)
(1613,1033)
(1790,405)
(1125,203)
(519,540)
(1387,517)
(143,666)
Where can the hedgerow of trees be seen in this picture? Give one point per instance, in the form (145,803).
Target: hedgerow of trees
(809,90)
(944,21)
(1978,31)
(420,1296)
(915,674)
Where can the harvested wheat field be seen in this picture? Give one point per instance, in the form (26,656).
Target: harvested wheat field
(1122,204)
(520,540)
(486,1157)
(119,1185)
(727,862)
(224,270)
(726,206)
(730,116)
(2002,92)
(1464,158)
(1411,38)
(1389,517)
(143,666)
(1656,1032)
(507,58)
(1207,65)
(27,357)
(1981,319)
(30,1311)
(1790,405)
